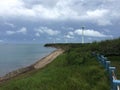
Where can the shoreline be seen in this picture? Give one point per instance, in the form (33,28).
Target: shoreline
(35,66)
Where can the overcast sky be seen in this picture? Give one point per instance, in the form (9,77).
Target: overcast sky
(47,21)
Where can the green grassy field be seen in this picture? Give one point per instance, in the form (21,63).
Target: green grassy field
(75,69)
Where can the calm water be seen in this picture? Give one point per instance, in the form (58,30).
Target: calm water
(14,56)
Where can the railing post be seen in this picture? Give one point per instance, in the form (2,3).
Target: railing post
(114,87)
(103,61)
(116,83)
(107,65)
(98,57)
(112,69)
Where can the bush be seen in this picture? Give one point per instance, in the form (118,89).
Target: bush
(74,57)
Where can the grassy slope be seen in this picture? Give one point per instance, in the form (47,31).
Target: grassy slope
(63,75)
(76,69)
(111,49)
(115,61)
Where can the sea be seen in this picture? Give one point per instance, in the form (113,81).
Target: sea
(15,56)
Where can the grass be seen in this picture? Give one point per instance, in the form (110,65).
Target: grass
(115,61)
(73,70)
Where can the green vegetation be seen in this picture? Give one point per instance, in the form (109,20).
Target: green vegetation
(116,63)
(75,69)
(111,49)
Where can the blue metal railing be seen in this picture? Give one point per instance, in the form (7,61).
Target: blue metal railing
(115,83)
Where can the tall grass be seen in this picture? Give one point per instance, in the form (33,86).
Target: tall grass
(75,69)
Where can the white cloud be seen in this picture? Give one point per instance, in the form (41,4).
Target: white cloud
(99,16)
(68,36)
(98,13)
(89,32)
(10,32)
(46,30)
(9,24)
(51,32)
(101,12)
(37,34)
(23,30)
(40,30)
(15,9)
(71,33)
(62,10)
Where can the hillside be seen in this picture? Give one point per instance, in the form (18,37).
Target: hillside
(75,69)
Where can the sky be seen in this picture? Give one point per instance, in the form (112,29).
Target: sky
(59,21)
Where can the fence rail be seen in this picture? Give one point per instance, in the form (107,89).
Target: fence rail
(115,83)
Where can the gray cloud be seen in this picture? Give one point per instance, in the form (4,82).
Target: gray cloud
(10,24)
(56,18)
(91,33)
(101,12)
(46,30)
(47,3)
(23,30)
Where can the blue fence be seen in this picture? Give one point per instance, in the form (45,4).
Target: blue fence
(115,83)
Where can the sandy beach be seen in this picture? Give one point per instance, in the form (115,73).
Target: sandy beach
(46,60)
(37,65)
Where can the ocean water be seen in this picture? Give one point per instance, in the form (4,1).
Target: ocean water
(14,56)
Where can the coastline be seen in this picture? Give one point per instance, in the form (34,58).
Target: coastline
(37,65)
